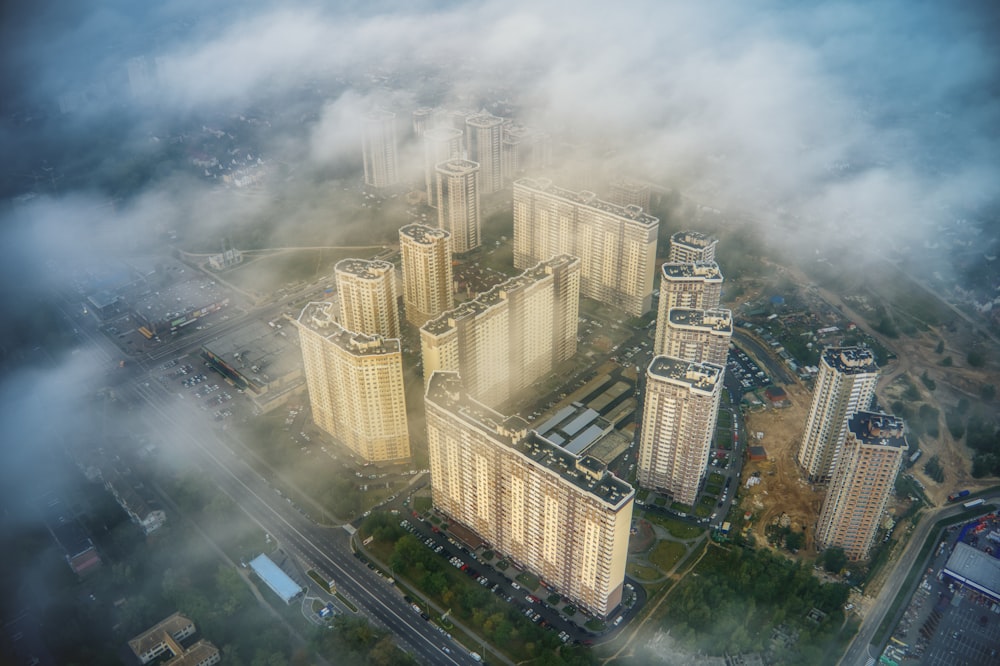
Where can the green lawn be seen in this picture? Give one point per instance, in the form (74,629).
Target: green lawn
(666,554)
(675,527)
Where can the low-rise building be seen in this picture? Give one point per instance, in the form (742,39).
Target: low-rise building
(166,637)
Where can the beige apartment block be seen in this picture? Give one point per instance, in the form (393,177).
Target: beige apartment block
(367,292)
(688,247)
(845,385)
(510,336)
(459,210)
(355,384)
(563,517)
(629,193)
(697,286)
(378,148)
(427,275)
(616,245)
(440,145)
(862,483)
(695,335)
(484,136)
(678,421)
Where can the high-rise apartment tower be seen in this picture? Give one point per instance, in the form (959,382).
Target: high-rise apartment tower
(563,517)
(695,286)
(695,335)
(691,246)
(616,245)
(367,291)
(427,280)
(440,145)
(378,148)
(355,384)
(862,483)
(484,134)
(458,203)
(845,385)
(678,422)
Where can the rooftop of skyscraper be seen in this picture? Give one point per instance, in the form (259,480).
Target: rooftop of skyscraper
(585,472)
(442,133)
(877,428)
(717,319)
(379,114)
(850,360)
(421,233)
(484,119)
(369,269)
(692,239)
(319,316)
(707,270)
(589,199)
(457,166)
(700,376)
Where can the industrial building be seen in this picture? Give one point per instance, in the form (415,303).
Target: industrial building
(974,569)
(173,307)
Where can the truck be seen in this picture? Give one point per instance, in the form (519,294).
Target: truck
(975,502)
(957,495)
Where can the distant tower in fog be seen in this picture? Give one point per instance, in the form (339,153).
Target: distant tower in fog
(440,145)
(367,291)
(483,138)
(458,203)
(629,193)
(422,119)
(378,148)
(426,259)
(691,246)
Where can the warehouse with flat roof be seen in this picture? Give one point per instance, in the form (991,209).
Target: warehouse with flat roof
(276,579)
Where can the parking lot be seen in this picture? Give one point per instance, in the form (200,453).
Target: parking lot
(745,370)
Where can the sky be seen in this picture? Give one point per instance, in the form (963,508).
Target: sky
(810,120)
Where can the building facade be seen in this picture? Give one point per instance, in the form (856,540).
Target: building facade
(679,412)
(695,335)
(440,145)
(844,386)
(484,137)
(629,193)
(695,286)
(563,517)
(458,184)
(508,337)
(427,277)
(355,384)
(367,291)
(690,246)
(378,148)
(616,245)
(862,483)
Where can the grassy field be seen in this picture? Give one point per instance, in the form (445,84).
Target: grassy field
(675,527)
(666,554)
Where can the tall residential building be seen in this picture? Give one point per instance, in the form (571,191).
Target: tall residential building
(862,483)
(678,421)
(458,203)
(629,193)
(691,246)
(616,245)
(695,335)
(426,259)
(511,335)
(367,290)
(511,147)
(845,385)
(692,286)
(440,145)
(563,517)
(483,142)
(422,119)
(378,148)
(355,384)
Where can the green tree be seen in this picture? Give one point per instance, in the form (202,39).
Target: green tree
(794,540)
(834,559)
(940,347)
(976,358)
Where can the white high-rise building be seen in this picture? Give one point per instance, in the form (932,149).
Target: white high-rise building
(483,139)
(367,291)
(616,245)
(688,247)
(695,286)
(563,517)
(695,335)
(679,412)
(440,145)
(510,336)
(862,483)
(355,384)
(458,203)
(845,385)
(378,148)
(427,275)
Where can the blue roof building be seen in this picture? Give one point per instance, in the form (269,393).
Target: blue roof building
(276,579)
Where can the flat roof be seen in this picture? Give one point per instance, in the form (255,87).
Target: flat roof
(421,233)
(975,569)
(876,428)
(483,119)
(456,166)
(717,319)
(257,351)
(584,472)
(179,299)
(700,376)
(319,317)
(693,239)
(368,269)
(442,133)
(701,270)
(850,360)
(276,579)
(589,200)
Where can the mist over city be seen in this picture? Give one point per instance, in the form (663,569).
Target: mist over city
(250,253)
